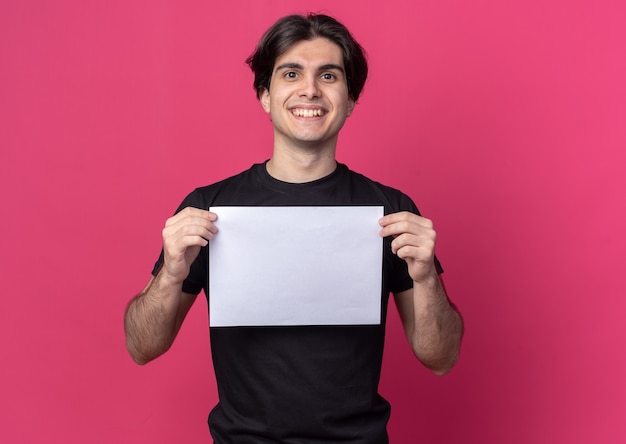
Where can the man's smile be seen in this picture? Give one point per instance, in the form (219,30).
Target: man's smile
(308,112)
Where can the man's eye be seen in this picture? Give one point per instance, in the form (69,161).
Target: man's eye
(328,76)
(290,75)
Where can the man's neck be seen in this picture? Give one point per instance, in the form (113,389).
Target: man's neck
(300,166)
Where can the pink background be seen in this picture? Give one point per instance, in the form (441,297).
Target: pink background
(505,121)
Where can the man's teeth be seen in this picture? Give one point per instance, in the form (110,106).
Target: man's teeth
(307,112)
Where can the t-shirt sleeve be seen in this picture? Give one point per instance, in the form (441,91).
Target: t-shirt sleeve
(197,279)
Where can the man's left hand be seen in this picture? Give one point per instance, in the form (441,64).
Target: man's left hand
(414,242)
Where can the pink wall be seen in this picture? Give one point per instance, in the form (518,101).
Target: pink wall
(506,121)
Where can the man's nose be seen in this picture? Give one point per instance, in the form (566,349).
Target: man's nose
(310,88)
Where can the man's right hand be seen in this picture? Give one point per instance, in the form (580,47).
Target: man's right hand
(183,236)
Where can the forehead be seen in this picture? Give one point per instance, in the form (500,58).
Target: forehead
(312,53)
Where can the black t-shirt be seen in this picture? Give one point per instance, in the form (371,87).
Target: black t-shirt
(304,384)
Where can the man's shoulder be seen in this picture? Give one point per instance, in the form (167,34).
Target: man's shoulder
(235,178)
(390,193)
(204,196)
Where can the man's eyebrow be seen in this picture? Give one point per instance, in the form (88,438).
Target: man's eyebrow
(331,66)
(292,65)
(289,65)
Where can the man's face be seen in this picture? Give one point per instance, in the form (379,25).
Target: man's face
(308,97)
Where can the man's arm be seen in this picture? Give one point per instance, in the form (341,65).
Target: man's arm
(433,326)
(153,318)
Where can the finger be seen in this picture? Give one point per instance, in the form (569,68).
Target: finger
(425,244)
(411,252)
(405,216)
(181,236)
(174,225)
(192,213)
(177,247)
(400,228)
(191,229)
(182,246)
(410,240)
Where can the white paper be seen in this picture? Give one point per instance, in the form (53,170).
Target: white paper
(276,266)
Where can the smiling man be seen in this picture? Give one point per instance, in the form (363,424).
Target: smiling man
(306,383)
(308,99)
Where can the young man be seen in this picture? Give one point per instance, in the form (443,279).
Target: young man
(301,384)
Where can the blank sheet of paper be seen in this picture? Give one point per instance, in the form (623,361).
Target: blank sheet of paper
(275,266)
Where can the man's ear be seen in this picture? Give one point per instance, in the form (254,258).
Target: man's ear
(351,105)
(264,98)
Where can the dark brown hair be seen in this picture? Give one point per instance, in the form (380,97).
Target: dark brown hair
(295,28)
